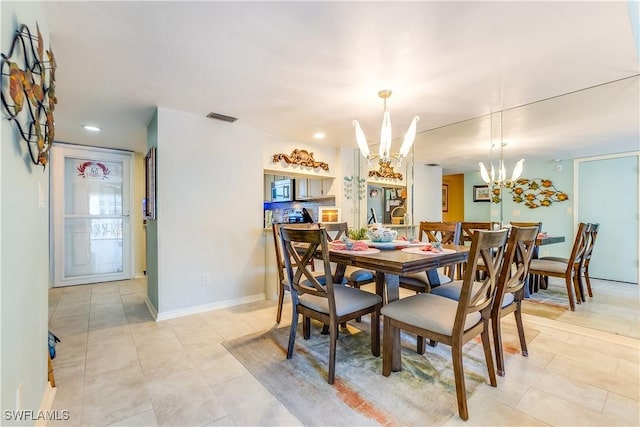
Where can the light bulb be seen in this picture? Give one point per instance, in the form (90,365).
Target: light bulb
(517,170)
(409,137)
(483,173)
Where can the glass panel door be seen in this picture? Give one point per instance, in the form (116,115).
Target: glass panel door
(91,215)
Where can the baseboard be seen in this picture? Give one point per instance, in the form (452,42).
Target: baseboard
(172,314)
(151,308)
(47,403)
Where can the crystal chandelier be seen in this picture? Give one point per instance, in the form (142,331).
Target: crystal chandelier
(501,179)
(384,153)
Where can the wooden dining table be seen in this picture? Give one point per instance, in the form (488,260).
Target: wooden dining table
(390,264)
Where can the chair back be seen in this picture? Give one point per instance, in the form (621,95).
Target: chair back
(299,247)
(515,267)
(527,224)
(467,228)
(579,245)
(488,246)
(591,240)
(443,232)
(335,230)
(275,228)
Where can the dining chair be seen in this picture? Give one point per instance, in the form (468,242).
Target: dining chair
(356,277)
(431,232)
(328,303)
(591,235)
(533,281)
(569,269)
(447,321)
(467,228)
(282,281)
(509,288)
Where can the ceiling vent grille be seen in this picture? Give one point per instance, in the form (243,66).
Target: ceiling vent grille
(222,117)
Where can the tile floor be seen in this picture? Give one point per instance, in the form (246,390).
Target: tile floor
(115,366)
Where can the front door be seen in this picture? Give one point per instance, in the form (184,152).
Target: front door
(90,215)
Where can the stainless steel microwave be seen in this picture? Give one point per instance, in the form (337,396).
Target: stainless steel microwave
(282,190)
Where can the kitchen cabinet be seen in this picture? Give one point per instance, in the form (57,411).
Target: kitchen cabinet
(310,188)
(268,180)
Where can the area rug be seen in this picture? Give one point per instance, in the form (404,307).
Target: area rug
(423,393)
(549,303)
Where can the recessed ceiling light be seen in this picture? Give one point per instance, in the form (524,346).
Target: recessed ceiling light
(318,135)
(92,128)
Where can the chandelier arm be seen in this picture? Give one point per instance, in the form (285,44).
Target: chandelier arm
(409,137)
(361,140)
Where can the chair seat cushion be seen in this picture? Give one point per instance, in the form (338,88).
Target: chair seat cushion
(430,312)
(555,258)
(452,291)
(420,279)
(354,274)
(348,300)
(546,265)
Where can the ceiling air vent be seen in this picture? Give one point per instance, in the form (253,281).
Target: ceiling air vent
(222,117)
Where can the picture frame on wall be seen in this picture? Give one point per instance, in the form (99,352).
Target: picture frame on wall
(445,197)
(481,193)
(150,184)
(328,214)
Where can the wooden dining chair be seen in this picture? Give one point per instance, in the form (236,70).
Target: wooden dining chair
(467,228)
(450,322)
(356,277)
(282,281)
(588,253)
(591,235)
(431,232)
(509,288)
(569,270)
(328,303)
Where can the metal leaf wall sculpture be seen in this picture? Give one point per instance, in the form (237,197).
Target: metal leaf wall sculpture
(535,193)
(28,91)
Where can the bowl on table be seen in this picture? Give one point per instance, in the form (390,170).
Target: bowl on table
(382,235)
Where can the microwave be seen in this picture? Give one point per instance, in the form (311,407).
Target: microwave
(282,190)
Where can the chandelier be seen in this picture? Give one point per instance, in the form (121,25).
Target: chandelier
(384,152)
(501,179)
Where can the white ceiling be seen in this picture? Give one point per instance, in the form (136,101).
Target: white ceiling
(297,68)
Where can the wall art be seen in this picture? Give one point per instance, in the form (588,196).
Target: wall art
(300,157)
(535,193)
(28,91)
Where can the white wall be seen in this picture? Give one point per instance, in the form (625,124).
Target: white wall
(209,219)
(24,249)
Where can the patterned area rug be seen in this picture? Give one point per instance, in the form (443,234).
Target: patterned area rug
(549,303)
(423,393)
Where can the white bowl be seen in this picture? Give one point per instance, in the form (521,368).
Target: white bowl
(382,235)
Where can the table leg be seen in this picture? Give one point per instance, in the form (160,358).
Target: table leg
(393,287)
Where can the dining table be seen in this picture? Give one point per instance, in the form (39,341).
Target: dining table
(390,264)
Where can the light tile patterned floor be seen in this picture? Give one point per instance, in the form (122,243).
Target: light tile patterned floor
(116,366)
